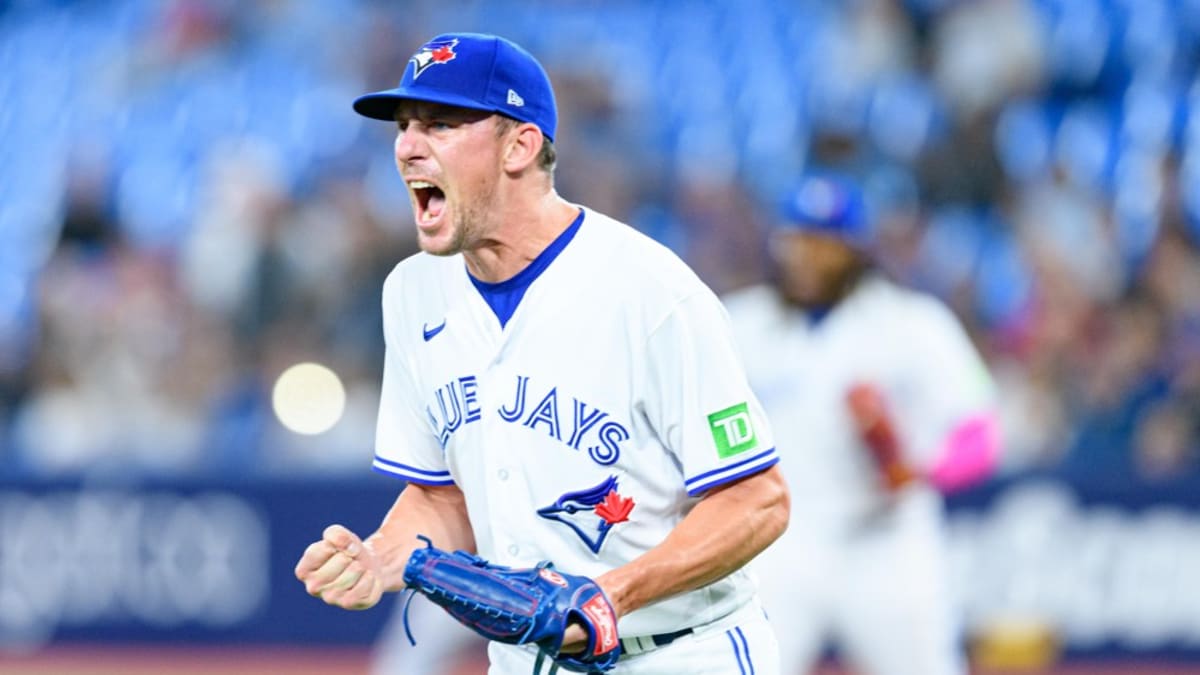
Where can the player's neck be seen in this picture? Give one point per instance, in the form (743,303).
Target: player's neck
(524,231)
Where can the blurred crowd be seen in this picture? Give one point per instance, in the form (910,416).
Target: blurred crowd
(188,205)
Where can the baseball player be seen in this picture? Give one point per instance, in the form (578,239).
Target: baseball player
(883,403)
(556,387)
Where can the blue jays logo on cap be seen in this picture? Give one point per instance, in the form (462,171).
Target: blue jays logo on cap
(591,512)
(432,54)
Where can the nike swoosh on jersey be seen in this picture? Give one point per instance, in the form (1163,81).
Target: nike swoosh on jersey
(429,333)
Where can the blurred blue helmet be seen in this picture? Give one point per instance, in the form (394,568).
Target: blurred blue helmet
(828,204)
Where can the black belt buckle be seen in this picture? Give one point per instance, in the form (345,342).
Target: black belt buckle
(664,639)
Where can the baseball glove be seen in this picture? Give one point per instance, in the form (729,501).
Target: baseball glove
(519,605)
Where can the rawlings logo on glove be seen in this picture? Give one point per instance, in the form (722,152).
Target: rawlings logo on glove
(519,606)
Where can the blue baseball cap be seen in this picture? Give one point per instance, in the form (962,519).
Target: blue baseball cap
(472,70)
(830,205)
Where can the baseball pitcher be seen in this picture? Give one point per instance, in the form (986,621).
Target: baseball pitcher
(587,469)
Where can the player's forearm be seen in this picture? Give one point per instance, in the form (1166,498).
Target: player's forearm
(438,513)
(722,533)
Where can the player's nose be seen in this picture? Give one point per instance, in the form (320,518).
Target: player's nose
(410,145)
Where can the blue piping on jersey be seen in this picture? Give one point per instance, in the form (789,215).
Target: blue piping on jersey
(696,486)
(701,489)
(411,473)
(737,653)
(504,296)
(727,467)
(410,478)
(412,469)
(745,648)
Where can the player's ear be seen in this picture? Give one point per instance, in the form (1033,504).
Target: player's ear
(522,147)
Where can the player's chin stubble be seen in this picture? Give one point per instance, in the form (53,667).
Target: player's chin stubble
(456,244)
(466,226)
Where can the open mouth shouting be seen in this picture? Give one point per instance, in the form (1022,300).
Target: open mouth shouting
(429,203)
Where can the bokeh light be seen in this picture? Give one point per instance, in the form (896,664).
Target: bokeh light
(308,398)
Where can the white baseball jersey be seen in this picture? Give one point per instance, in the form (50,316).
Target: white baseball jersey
(583,407)
(857,564)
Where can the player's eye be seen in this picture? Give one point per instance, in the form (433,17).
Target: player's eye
(402,125)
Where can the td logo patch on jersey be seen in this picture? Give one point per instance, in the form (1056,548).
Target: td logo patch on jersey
(432,54)
(591,512)
(732,431)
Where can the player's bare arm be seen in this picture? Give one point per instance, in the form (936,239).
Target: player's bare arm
(345,571)
(731,525)
(437,512)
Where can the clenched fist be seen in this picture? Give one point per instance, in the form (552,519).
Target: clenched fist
(341,570)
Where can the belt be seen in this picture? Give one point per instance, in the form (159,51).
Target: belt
(645,643)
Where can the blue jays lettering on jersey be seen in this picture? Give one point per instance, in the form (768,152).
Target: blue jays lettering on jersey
(584,418)
(457,403)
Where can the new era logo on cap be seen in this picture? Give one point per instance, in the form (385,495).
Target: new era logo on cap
(515,99)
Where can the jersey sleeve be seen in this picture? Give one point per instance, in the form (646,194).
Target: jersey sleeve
(949,378)
(698,399)
(405,443)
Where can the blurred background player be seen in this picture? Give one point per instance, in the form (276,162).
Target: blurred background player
(881,404)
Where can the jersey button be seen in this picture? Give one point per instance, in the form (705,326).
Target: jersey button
(502,474)
(513,549)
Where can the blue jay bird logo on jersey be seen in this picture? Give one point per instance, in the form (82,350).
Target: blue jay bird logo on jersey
(591,512)
(432,54)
